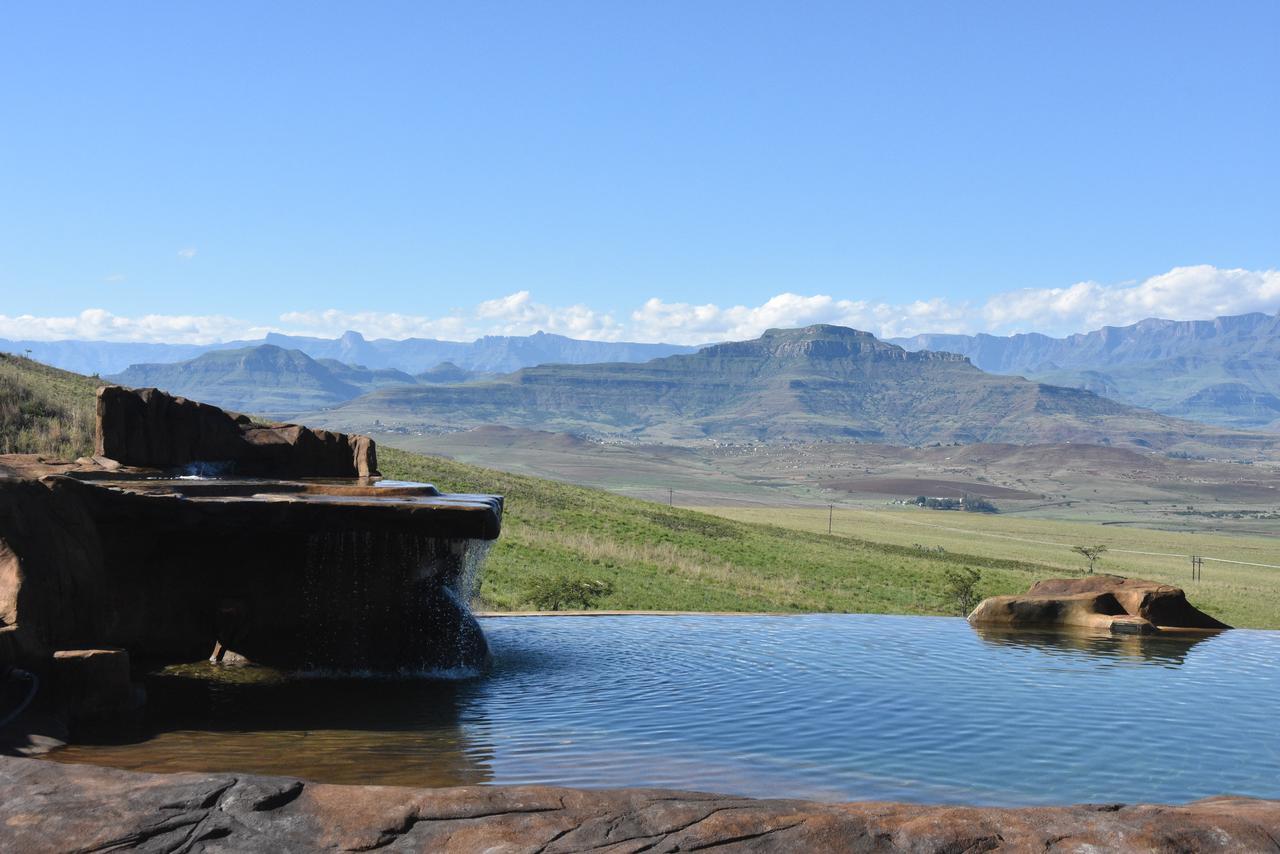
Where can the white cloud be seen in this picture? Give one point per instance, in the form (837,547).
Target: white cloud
(518,314)
(1183,293)
(114,278)
(96,324)
(682,323)
(187,253)
(514,314)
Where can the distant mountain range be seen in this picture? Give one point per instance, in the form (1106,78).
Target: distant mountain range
(816,383)
(269,380)
(1224,371)
(490,354)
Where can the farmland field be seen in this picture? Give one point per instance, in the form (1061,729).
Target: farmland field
(1228,585)
(734,558)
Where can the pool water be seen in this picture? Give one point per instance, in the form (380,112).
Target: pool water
(833,707)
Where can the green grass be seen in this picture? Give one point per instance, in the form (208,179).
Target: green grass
(1241,595)
(656,557)
(662,558)
(44,410)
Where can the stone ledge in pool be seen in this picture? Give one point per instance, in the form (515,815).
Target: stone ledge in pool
(46,806)
(1109,602)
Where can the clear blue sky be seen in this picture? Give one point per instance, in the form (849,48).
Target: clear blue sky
(422,157)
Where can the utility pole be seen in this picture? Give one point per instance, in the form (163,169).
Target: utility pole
(1197,567)
(671,497)
(831,515)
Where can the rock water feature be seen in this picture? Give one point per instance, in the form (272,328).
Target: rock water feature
(293,574)
(121,557)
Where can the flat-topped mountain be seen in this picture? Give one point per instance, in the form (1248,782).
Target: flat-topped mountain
(819,382)
(1222,371)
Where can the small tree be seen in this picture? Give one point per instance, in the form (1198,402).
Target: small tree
(977,504)
(961,588)
(1090,553)
(557,592)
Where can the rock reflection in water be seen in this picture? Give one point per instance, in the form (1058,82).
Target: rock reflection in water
(340,730)
(1169,649)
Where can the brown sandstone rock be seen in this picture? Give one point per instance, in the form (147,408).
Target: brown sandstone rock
(1161,604)
(51,577)
(151,429)
(291,573)
(1107,602)
(45,806)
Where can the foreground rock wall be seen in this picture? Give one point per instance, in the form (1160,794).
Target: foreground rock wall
(45,806)
(151,429)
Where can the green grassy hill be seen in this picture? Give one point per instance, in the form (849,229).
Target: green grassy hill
(663,558)
(44,410)
(1240,584)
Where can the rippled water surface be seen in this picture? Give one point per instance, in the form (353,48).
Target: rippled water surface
(840,707)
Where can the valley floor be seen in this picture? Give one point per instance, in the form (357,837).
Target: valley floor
(777,556)
(1240,576)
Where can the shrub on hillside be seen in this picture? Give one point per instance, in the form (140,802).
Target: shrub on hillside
(961,589)
(564,592)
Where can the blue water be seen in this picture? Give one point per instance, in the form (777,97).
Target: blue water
(835,707)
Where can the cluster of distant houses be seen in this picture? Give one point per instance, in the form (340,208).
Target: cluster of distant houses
(969,503)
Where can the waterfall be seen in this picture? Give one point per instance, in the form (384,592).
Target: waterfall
(390,601)
(205,470)
(466,584)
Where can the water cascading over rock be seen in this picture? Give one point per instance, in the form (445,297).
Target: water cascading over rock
(324,566)
(404,599)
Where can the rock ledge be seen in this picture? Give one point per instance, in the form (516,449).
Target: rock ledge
(46,806)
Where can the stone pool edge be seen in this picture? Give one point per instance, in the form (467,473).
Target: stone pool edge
(49,806)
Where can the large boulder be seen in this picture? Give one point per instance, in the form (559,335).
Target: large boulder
(1106,602)
(52,585)
(151,429)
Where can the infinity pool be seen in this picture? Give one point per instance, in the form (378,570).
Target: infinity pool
(834,707)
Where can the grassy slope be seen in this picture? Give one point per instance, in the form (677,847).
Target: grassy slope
(671,559)
(1245,596)
(44,410)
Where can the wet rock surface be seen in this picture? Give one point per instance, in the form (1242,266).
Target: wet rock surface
(46,806)
(299,560)
(1104,602)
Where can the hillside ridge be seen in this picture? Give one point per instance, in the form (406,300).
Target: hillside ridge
(819,382)
(1223,371)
